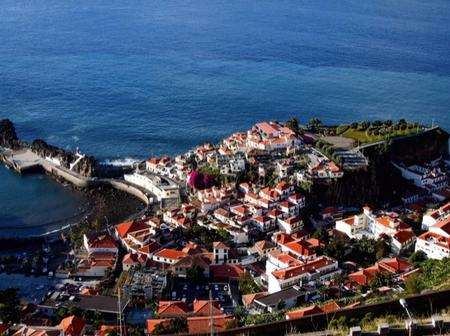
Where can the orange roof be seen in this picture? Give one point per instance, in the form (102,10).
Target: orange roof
(220,245)
(102,240)
(268,128)
(283,238)
(248,299)
(303,312)
(436,239)
(130,259)
(104,330)
(201,325)
(150,247)
(172,308)
(170,254)
(282,185)
(309,267)
(301,247)
(72,325)
(402,236)
(151,324)
(206,308)
(288,259)
(127,227)
(330,307)
(227,271)
(444,225)
(395,265)
(349,220)
(89,291)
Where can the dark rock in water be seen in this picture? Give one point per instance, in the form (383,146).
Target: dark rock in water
(86,166)
(8,136)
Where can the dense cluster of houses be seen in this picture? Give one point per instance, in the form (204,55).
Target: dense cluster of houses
(266,235)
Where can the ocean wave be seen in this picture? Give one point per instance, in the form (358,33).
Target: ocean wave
(121,162)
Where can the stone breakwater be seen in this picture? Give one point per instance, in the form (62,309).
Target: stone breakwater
(79,170)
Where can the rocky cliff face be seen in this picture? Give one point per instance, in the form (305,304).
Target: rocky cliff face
(85,166)
(8,136)
(381,183)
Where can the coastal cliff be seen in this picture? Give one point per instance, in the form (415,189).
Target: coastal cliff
(380,183)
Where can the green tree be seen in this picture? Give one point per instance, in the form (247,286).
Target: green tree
(314,124)
(247,285)
(195,274)
(281,305)
(293,125)
(413,284)
(381,279)
(417,258)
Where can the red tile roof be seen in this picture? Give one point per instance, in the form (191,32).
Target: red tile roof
(170,254)
(128,227)
(102,240)
(227,271)
(206,308)
(201,325)
(172,309)
(152,323)
(309,267)
(294,314)
(72,325)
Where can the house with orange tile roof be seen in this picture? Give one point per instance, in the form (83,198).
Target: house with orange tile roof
(151,324)
(318,270)
(206,308)
(99,242)
(167,309)
(298,313)
(264,223)
(329,307)
(129,260)
(94,265)
(226,272)
(431,217)
(168,256)
(290,224)
(392,266)
(373,225)
(434,245)
(204,324)
(304,249)
(72,326)
(134,234)
(181,267)
(248,299)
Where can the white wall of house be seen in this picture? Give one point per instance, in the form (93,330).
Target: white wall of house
(432,250)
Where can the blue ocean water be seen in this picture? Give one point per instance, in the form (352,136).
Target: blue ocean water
(145,77)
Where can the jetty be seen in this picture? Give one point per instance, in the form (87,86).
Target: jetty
(24,161)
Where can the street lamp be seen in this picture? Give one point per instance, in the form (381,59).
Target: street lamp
(405,306)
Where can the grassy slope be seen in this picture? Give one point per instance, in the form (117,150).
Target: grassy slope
(362,136)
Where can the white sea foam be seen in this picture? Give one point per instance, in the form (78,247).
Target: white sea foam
(121,162)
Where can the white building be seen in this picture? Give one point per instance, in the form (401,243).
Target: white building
(433,245)
(315,271)
(432,217)
(429,177)
(374,226)
(162,187)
